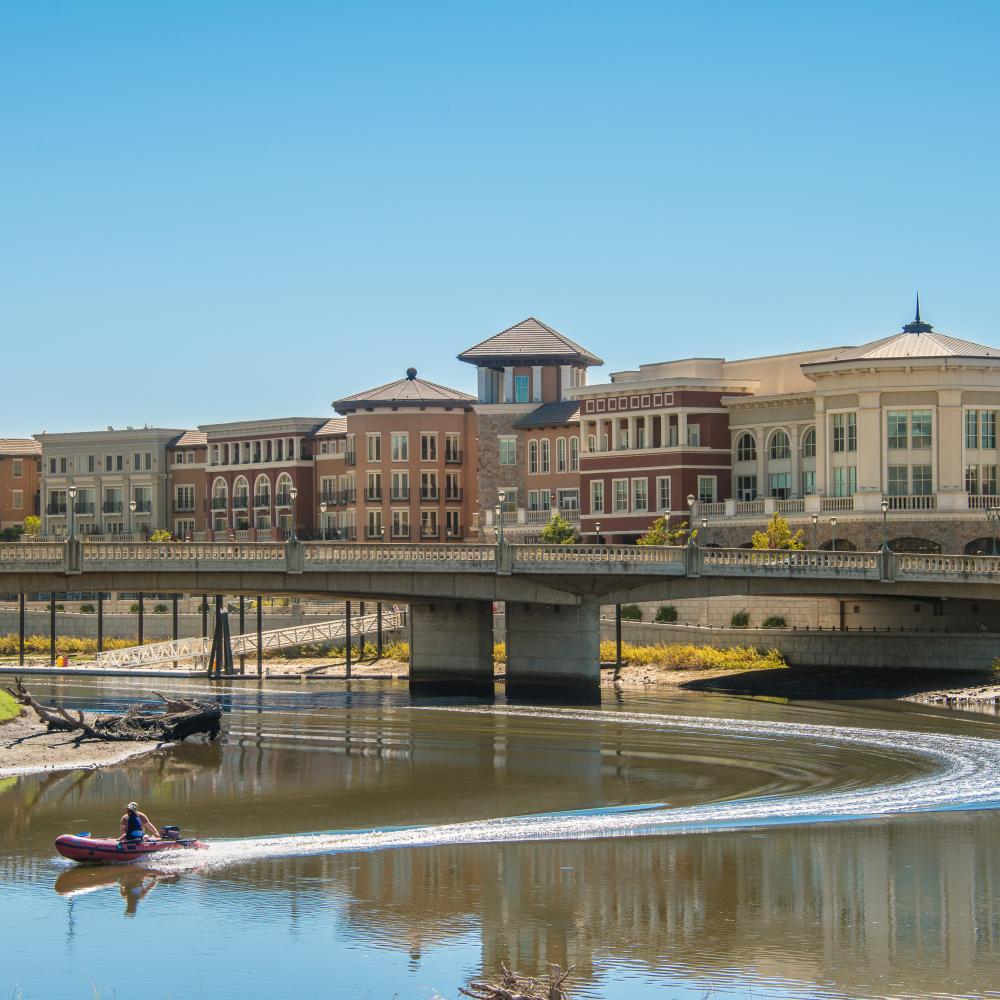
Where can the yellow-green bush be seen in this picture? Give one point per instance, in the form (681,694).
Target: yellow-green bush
(66,645)
(8,707)
(681,657)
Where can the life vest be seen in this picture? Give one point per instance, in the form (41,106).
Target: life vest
(133,828)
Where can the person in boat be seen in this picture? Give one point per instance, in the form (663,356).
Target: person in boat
(135,824)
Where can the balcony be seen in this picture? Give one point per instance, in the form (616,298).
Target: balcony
(262,500)
(430,495)
(912,502)
(329,497)
(112,507)
(83,507)
(453,496)
(219,503)
(351,458)
(399,495)
(348,496)
(283,500)
(143,506)
(55,508)
(452,457)
(241,501)
(373,495)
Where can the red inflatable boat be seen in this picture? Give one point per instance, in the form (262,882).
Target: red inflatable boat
(107,850)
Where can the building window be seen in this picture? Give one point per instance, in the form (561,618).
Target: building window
(428,447)
(452,448)
(972,479)
(663,493)
(640,494)
(521,388)
(184,498)
(591,443)
(532,456)
(897,432)
(706,489)
(560,454)
(746,448)
(988,424)
(808,484)
(574,454)
(532,499)
(428,524)
(546,455)
(400,524)
(568,500)
(452,528)
(899,480)
(179,459)
(544,500)
(400,486)
(779,447)
(809,443)
(375,523)
(374,489)
(373,442)
(845,432)
(845,480)
(778,485)
(63,465)
(920,433)
(17,468)
(17,499)
(923,482)
(620,492)
(508,451)
(746,487)
(971,428)
(694,435)
(989,480)
(597,496)
(400,443)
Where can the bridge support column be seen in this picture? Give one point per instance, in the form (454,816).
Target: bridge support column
(554,648)
(451,646)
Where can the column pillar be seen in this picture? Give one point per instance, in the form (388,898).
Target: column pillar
(536,383)
(822,448)
(633,432)
(554,646)
(949,446)
(682,429)
(793,441)
(869,443)
(761,434)
(451,646)
(508,384)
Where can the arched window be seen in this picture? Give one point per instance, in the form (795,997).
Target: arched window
(982,547)
(843,545)
(282,491)
(592,443)
(546,454)
(241,492)
(262,492)
(560,454)
(746,448)
(532,456)
(220,488)
(921,545)
(780,446)
(574,454)
(809,443)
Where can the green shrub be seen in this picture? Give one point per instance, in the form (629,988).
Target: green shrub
(685,657)
(87,609)
(631,612)
(740,619)
(774,621)
(666,614)
(60,607)
(134,608)
(160,609)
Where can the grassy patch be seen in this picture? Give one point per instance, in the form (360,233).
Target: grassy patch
(9,708)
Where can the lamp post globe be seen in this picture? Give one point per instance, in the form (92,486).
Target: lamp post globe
(833,534)
(884,506)
(132,505)
(597,526)
(322,510)
(292,495)
(815,521)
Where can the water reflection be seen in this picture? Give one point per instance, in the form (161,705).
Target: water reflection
(133,883)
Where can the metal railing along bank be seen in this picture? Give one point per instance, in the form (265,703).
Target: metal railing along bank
(76,558)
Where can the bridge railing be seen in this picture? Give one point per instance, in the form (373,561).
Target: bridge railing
(918,566)
(113,553)
(338,554)
(576,558)
(31,555)
(803,562)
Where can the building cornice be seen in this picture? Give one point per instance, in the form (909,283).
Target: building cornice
(679,384)
(753,402)
(277,426)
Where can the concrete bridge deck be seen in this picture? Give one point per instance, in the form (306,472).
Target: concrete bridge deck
(553,593)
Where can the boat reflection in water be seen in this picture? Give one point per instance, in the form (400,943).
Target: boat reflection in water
(134,884)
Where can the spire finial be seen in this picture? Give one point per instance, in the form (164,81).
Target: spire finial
(918,325)
(917,317)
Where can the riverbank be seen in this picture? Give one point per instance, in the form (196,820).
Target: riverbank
(26,747)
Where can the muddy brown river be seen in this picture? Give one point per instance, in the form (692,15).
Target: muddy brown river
(364,844)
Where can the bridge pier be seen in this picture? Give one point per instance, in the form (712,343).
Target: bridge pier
(554,648)
(451,646)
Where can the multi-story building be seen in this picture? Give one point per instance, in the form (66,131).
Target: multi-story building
(20,469)
(119,478)
(188,462)
(261,477)
(335,499)
(410,460)
(526,378)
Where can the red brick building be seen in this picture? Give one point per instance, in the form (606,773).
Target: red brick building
(20,480)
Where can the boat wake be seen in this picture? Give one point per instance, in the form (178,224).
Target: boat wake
(967,775)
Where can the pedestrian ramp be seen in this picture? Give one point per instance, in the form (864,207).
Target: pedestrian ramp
(198,650)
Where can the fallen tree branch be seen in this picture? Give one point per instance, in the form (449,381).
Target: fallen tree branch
(177,721)
(511,986)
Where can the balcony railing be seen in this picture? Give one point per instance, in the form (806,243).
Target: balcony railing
(373,495)
(112,507)
(348,496)
(55,508)
(184,506)
(426,532)
(283,500)
(262,500)
(329,496)
(351,457)
(452,457)
(219,503)
(401,532)
(453,496)
(983,501)
(399,495)
(429,495)
(241,501)
(834,504)
(143,506)
(83,507)
(373,533)
(913,502)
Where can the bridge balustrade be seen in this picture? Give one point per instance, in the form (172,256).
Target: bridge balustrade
(729,562)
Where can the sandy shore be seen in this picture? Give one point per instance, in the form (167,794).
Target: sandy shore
(26,748)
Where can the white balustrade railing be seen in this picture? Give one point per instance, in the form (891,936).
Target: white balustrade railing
(182,552)
(537,516)
(983,501)
(526,555)
(334,552)
(831,505)
(928,502)
(31,552)
(710,510)
(914,564)
(764,560)
(749,508)
(790,506)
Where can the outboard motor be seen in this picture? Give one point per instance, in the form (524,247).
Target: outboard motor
(171,833)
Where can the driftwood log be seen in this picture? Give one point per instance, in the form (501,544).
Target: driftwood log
(511,986)
(178,719)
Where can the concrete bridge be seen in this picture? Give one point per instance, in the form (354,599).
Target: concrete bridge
(552,593)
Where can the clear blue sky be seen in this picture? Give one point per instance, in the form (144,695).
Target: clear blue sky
(227,210)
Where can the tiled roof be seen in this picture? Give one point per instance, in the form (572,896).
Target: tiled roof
(20,446)
(409,391)
(531,338)
(549,415)
(332,427)
(190,439)
(912,345)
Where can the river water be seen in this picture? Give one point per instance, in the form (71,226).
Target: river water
(364,844)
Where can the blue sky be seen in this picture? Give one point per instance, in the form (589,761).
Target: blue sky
(227,210)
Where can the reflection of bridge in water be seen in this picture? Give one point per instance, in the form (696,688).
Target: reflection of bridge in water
(552,593)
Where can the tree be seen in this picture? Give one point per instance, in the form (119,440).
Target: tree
(558,531)
(661,533)
(778,535)
(32,524)
(160,535)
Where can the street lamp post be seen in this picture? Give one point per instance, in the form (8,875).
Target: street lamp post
(132,505)
(690,500)
(322,518)
(833,534)
(71,493)
(885,524)
(501,497)
(704,530)
(815,520)
(292,494)
(597,526)
(993,516)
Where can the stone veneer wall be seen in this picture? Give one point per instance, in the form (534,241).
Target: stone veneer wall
(874,650)
(490,474)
